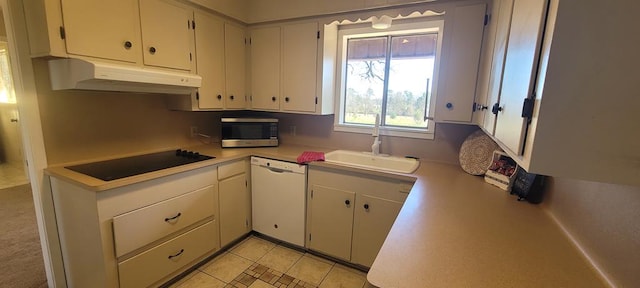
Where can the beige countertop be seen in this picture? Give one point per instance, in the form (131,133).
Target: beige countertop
(454,229)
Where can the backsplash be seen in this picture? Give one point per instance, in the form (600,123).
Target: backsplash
(83,125)
(603,219)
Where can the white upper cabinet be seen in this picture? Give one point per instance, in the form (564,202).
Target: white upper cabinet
(293,67)
(146,32)
(235,66)
(210,60)
(459,66)
(167,35)
(576,66)
(520,66)
(103,29)
(265,68)
(299,66)
(108,30)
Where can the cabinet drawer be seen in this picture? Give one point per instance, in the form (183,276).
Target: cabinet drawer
(140,227)
(231,169)
(160,261)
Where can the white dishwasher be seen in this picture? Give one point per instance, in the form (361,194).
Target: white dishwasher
(278,191)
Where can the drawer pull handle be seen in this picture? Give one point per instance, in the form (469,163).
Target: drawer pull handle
(173,218)
(176,255)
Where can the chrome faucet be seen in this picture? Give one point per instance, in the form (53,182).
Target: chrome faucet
(375,147)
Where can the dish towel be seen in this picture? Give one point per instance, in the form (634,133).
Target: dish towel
(308,156)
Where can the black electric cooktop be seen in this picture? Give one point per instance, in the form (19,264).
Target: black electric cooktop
(124,167)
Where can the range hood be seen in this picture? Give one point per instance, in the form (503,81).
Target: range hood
(72,74)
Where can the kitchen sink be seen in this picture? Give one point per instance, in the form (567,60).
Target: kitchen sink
(367,160)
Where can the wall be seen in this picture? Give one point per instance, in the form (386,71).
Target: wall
(604,220)
(261,11)
(318,131)
(83,125)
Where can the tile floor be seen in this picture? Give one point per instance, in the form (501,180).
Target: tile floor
(11,175)
(258,263)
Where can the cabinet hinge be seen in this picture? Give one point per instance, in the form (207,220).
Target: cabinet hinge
(63,35)
(193,24)
(486,19)
(309,237)
(318,35)
(246,223)
(198,96)
(311,193)
(527,108)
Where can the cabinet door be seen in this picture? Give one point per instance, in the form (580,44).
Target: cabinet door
(299,67)
(502,19)
(235,208)
(210,60)
(372,222)
(235,66)
(166,34)
(265,68)
(455,102)
(101,28)
(520,67)
(331,221)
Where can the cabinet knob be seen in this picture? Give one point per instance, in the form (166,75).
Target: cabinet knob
(449,105)
(496,108)
(128,44)
(231,97)
(366,206)
(347,202)
(152,50)
(273,98)
(286,99)
(219,97)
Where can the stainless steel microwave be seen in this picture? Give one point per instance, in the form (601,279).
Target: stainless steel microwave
(249,132)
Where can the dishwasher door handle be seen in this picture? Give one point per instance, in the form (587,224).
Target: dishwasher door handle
(276,170)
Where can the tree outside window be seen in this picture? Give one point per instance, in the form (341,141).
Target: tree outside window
(391,76)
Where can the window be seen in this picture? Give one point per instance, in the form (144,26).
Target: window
(7,94)
(390,73)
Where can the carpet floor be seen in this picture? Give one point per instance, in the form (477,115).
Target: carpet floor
(20,253)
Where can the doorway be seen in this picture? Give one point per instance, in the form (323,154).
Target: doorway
(12,165)
(23,263)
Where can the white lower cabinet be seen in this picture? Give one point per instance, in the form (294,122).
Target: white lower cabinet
(331,231)
(137,235)
(147,267)
(349,214)
(234,201)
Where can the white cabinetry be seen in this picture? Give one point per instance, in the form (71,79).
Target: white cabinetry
(459,65)
(167,35)
(299,66)
(220,57)
(293,67)
(265,68)
(582,118)
(210,58)
(235,52)
(349,214)
(103,29)
(234,201)
(147,32)
(137,235)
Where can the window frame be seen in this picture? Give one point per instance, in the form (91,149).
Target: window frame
(397,29)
